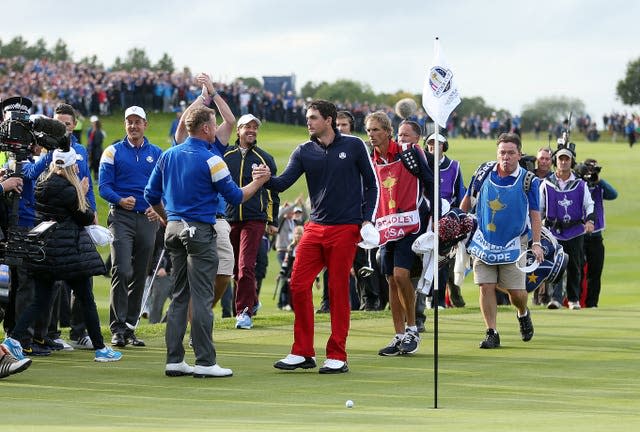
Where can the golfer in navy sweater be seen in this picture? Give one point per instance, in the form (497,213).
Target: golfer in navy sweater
(188,179)
(343,191)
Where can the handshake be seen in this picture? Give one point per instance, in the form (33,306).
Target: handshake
(261,173)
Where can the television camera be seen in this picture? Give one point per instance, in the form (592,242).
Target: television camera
(589,172)
(19,135)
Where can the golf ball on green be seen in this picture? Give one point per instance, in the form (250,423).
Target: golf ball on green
(349,403)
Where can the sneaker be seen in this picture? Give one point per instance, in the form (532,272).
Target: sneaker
(526,326)
(134,341)
(14,348)
(421,327)
(243,320)
(214,371)
(410,342)
(9,365)
(393,348)
(48,343)
(118,340)
(554,304)
(574,305)
(292,362)
(332,366)
(178,369)
(33,349)
(491,340)
(83,343)
(256,308)
(107,354)
(65,345)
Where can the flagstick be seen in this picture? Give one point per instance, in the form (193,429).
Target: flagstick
(436,248)
(439,98)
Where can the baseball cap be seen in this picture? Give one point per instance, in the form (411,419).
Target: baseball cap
(135,110)
(565,152)
(93,118)
(248,118)
(441,138)
(64,159)
(297,209)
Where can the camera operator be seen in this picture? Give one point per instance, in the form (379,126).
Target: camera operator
(600,190)
(69,252)
(22,290)
(568,211)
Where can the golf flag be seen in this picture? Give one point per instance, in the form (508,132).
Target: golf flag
(440,95)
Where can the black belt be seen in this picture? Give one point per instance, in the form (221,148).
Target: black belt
(117,207)
(220,216)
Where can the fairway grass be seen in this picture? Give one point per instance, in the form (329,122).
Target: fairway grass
(580,372)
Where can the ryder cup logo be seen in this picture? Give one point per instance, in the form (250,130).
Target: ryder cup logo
(342,155)
(150,159)
(440,80)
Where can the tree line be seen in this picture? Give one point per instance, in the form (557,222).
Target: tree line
(545,110)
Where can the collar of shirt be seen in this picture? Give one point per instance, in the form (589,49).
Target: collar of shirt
(392,151)
(144,142)
(563,183)
(513,174)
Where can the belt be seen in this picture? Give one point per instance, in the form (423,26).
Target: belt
(117,207)
(220,216)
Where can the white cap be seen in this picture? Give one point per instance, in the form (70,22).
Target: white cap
(135,110)
(248,118)
(94,118)
(564,152)
(297,209)
(441,138)
(64,159)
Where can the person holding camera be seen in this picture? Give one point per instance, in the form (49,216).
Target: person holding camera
(69,252)
(600,190)
(567,210)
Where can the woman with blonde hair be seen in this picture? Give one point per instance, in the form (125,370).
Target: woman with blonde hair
(69,253)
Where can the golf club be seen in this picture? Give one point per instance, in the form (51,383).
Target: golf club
(366,271)
(147,291)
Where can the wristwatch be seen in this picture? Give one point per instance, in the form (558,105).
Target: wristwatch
(536,243)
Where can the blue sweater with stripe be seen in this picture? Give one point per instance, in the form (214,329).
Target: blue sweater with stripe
(188,179)
(125,170)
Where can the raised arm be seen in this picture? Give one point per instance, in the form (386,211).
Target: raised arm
(224,130)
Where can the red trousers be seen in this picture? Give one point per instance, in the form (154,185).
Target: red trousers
(334,247)
(245,238)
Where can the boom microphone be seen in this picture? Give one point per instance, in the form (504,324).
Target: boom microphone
(49,126)
(406,107)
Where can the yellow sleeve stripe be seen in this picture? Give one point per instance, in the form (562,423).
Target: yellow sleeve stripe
(218,168)
(108,155)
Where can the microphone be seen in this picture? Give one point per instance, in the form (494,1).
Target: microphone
(406,107)
(49,126)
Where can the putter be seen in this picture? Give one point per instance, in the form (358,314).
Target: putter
(147,291)
(366,271)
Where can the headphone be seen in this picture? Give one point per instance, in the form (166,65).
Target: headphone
(352,120)
(571,147)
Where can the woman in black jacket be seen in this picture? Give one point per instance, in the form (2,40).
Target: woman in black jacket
(69,253)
